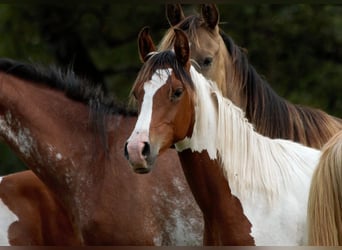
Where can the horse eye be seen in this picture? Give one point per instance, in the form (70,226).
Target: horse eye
(207,61)
(178,92)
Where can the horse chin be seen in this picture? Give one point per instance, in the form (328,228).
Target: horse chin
(145,167)
(142,170)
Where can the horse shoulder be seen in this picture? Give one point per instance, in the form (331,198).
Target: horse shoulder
(32,215)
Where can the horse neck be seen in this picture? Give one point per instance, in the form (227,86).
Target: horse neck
(233,141)
(241,164)
(54,141)
(272,115)
(227,79)
(225,222)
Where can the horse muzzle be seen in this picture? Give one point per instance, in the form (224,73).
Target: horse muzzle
(138,154)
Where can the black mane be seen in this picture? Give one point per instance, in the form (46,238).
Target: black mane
(65,80)
(271,114)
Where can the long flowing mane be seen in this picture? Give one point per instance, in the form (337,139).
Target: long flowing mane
(271,114)
(262,164)
(325,199)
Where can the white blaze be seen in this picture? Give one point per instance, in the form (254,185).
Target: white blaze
(151,87)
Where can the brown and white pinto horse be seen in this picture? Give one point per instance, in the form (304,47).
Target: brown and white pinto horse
(250,188)
(325,198)
(72,136)
(30,214)
(218,58)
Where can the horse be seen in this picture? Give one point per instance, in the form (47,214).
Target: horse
(31,214)
(71,135)
(325,197)
(252,189)
(218,58)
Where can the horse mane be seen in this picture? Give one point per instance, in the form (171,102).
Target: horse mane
(271,114)
(74,87)
(265,165)
(325,197)
(161,60)
(189,24)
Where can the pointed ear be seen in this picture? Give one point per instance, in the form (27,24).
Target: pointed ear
(181,47)
(145,44)
(210,14)
(174,14)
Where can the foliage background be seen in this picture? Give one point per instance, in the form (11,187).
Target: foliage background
(296,47)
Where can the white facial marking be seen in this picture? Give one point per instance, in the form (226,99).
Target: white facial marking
(7,217)
(151,87)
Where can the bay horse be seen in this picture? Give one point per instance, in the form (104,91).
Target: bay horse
(30,214)
(265,202)
(325,198)
(218,58)
(71,135)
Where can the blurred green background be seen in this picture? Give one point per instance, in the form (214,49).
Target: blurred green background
(296,47)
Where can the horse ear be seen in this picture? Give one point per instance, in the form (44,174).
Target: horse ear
(174,13)
(210,14)
(145,44)
(181,47)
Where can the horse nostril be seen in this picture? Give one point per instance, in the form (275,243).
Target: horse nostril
(126,151)
(146,149)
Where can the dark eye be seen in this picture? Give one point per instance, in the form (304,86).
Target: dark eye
(207,61)
(176,94)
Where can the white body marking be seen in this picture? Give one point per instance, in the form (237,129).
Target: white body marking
(7,217)
(179,226)
(59,156)
(22,138)
(281,219)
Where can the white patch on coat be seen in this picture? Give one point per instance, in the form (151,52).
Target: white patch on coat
(181,229)
(7,217)
(22,137)
(271,178)
(59,156)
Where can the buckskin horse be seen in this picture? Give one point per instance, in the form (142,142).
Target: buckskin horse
(71,136)
(265,202)
(218,58)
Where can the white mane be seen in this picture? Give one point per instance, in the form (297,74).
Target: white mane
(254,165)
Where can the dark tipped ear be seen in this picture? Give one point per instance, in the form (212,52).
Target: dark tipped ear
(210,14)
(145,44)
(181,47)
(174,13)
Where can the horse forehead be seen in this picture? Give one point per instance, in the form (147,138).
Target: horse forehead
(205,39)
(159,79)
